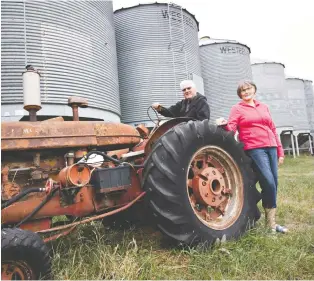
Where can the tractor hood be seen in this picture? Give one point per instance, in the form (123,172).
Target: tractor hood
(49,135)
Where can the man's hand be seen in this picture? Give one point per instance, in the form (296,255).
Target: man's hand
(156,106)
(280,160)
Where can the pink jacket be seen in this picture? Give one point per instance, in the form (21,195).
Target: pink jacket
(255,126)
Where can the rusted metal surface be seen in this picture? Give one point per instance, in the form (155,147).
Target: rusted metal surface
(16,270)
(49,167)
(39,175)
(47,135)
(115,188)
(116,135)
(208,186)
(161,130)
(140,174)
(80,153)
(144,132)
(55,119)
(140,146)
(75,175)
(216,190)
(83,205)
(37,225)
(35,151)
(75,103)
(8,189)
(75,113)
(58,235)
(133,191)
(36,160)
(95,217)
(115,199)
(5,174)
(52,163)
(103,202)
(118,153)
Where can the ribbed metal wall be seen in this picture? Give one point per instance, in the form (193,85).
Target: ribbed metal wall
(272,90)
(309,96)
(72,43)
(150,64)
(224,65)
(297,105)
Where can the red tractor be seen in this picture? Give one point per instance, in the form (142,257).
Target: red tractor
(194,177)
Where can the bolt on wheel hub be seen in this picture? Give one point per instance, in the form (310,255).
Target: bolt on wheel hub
(208,187)
(216,187)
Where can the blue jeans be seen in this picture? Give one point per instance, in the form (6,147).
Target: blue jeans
(265,163)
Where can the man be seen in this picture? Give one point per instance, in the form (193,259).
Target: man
(193,105)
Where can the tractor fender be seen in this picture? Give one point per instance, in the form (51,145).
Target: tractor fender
(163,128)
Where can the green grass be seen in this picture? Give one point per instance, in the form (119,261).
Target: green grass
(93,252)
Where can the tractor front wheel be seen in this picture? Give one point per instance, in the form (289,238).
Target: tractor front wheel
(24,255)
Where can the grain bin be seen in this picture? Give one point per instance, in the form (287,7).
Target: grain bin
(297,105)
(309,96)
(272,90)
(224,64)
(72,44)
(157,47)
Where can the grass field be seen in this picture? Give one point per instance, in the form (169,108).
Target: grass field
(93,252)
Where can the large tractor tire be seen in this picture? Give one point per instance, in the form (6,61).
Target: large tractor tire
(199,184)
(24,256)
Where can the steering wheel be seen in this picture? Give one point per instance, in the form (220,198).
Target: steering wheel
(156,112)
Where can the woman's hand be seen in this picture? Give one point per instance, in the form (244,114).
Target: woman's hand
(280,160)
(221,121)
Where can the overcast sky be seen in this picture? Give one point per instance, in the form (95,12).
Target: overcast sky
(275,30)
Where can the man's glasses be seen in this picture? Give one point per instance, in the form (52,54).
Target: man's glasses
(186,89)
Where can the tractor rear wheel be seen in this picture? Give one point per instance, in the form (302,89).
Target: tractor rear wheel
(199,184)
(24,255)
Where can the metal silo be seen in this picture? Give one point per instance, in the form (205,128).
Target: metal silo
(224,64)
(309,95)
(272,90)
(157,47)
(297,105)
(72,44)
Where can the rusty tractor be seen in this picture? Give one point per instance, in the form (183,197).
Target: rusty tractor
(194,178)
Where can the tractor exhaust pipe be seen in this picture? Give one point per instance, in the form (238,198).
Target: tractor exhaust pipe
(31,92)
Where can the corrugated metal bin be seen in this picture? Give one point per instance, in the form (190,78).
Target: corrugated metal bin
(72,44)
(224,64)
(157,47)
(272,90)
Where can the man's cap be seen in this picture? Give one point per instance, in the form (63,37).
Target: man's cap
(187,83)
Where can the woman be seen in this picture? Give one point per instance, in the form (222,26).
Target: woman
(257,132)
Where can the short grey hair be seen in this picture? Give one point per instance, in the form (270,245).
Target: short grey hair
(244,83)
(187,83)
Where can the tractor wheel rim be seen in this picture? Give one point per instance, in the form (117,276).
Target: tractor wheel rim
(16,270)
(215,191)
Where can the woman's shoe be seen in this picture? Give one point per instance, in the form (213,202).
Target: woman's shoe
(281,229)
(270,215)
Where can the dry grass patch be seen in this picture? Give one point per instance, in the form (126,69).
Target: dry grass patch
(94,253)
